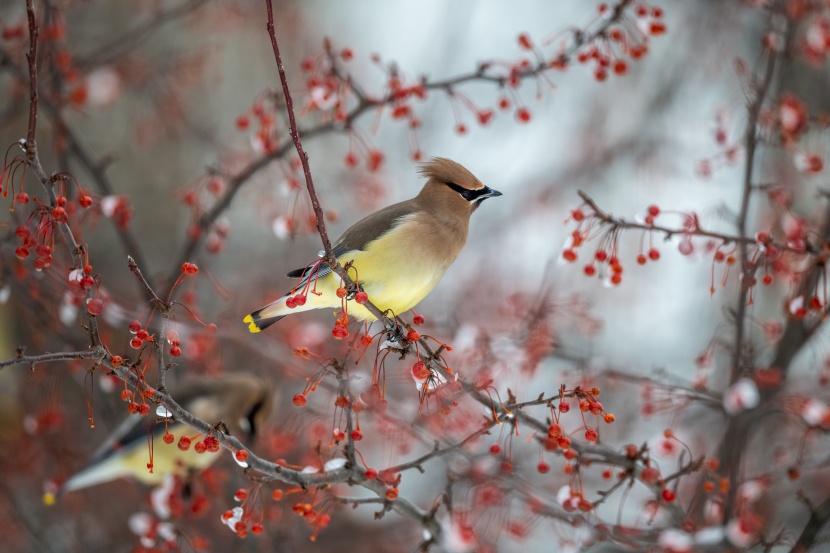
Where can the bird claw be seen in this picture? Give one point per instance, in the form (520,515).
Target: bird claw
(353,292)
(394,331)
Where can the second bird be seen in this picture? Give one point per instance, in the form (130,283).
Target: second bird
(400,252)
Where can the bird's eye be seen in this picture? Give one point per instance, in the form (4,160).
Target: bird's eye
(467,194)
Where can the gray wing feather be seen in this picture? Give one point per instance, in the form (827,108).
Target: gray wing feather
(359,235)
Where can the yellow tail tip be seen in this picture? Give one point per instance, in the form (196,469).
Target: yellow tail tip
(252,327)
(49,498)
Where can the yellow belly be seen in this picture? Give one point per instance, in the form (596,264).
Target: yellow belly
(167,458)
(396,271)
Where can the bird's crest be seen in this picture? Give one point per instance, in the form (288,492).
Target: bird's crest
(447,171)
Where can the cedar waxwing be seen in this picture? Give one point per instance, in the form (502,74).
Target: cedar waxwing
(400,252)
(241,400)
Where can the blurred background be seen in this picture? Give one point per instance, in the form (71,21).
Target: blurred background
(162,91)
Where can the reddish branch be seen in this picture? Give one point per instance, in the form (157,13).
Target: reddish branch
(31,147)
(747,267)
(32,360)
(295,136)
(620,223)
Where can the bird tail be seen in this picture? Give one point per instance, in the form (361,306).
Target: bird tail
(105,471)
(258,322)
(264,317)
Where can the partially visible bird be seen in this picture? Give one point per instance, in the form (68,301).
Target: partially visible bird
(241,400)
(399,253)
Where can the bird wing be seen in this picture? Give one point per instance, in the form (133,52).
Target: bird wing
(358,236)
(136,428)
(128,432)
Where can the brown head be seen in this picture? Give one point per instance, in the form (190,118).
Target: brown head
(452,191)
(243,401)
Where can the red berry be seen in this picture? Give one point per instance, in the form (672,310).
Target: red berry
(256,528)
(361,297)
(189,268)
(654,254)
(569,255)
(184,443)
(650,475)
(94,306)
(641,259)
(495,449)
(418,320)
(85,201)
(299,300)
(22,232)
(543,467)
(22,252)
(299,400)
(175,351)
(413,336)
(22,198)
(59,214)
(351,159)
(668,495)
(356,435)
(341,292)
(523,115)
(200,447)
(168,438)
(212,444)
(371,474)
(484,116)
(420,370)
(591,435)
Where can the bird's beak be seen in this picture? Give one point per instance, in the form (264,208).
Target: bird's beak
(490,193)
(485,193)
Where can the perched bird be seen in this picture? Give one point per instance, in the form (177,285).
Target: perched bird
(241,400)
(399,253)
